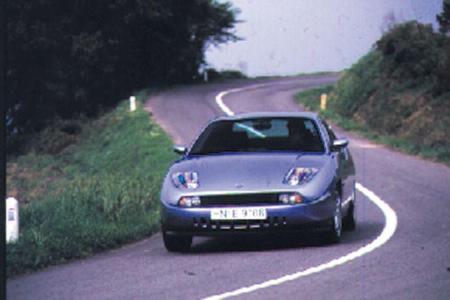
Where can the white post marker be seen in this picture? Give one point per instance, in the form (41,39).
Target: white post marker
(12,220)
(132,103)
(205,75)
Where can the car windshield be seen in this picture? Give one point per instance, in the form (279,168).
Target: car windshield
(259,135)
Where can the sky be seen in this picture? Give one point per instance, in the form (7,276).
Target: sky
(288,37)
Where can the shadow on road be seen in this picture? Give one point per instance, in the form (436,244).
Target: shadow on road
(364,234)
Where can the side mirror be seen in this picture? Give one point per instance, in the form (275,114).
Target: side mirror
(339,144)
(179,149)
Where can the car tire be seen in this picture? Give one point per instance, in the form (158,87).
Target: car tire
(335,231)
(177,243)
(349,221)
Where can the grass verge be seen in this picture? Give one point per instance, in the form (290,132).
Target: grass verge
(310,99)
(101,190)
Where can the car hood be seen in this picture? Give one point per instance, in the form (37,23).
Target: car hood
(245,172)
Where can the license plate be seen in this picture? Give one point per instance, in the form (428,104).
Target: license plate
(242,213)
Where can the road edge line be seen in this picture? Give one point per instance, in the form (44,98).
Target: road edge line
(390,226)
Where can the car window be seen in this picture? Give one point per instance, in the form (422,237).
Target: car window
(260,135)
(263,128)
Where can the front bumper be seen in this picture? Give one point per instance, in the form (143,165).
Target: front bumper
(285,218)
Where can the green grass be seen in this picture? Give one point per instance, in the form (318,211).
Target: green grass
(98,192)
(310,99)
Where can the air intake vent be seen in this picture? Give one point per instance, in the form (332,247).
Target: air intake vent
(239,199)
(204,224)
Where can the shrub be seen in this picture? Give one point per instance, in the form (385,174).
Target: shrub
(357,84)
(409,50)
(401,89)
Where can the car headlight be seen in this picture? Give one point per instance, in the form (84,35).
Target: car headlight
(187,180)
(298,176)
(189,201)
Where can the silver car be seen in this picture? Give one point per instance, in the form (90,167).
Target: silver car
(259,173)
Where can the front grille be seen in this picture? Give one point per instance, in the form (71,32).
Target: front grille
(239,199)
(238,225)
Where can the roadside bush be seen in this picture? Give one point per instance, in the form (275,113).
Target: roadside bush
(442,71)
(357,84)
(399,93)
(214,75)
(410,51)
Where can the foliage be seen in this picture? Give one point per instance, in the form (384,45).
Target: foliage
(357,84)
(399,92)
(67,58)
(444,17)
(310,100)
(413,52)
(401,87)
(97,193)
(215,75)
(417,53)
(409,50)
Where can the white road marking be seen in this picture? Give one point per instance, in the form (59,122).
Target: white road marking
(222,106)
(226,109)
(388,231)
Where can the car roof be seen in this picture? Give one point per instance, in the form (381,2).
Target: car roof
(303,114)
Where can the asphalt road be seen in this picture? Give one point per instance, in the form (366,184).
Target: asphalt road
(413,264)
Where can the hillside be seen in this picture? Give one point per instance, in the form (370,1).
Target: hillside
(400,91)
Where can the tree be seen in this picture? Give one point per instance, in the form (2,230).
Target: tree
(74,57)
(444,17)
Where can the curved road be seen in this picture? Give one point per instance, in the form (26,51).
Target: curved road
(413,264)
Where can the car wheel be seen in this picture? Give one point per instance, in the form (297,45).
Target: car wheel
(177,243)
(349,221)
(335,231)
